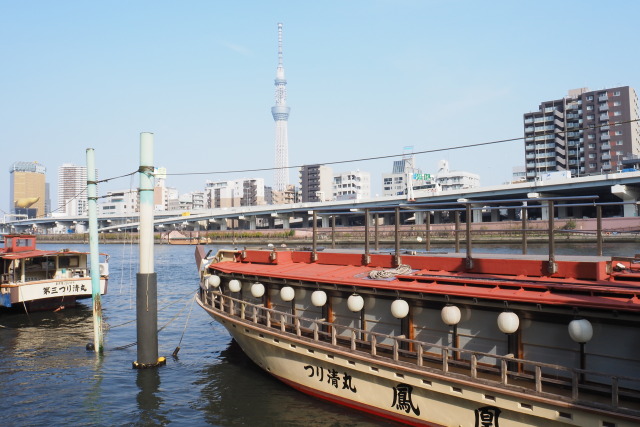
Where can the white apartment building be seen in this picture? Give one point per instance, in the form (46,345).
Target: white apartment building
(164,198)
(448,180)
(352,185)
(192,201)
(239,192)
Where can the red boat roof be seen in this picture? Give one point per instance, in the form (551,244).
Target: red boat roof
(582,281)
(37,253)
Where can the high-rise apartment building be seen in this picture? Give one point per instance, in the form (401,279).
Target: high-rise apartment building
(316,183)
(586,132)
(72,189)
(28,191)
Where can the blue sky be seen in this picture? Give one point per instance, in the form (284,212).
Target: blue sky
(365,79)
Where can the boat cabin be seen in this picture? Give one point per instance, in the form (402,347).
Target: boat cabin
(18,243)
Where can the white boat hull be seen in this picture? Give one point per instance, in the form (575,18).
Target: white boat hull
(57,289)
(403,394)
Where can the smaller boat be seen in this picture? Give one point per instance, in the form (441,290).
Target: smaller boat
(37,280)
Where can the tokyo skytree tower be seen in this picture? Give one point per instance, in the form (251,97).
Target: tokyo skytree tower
(280,113)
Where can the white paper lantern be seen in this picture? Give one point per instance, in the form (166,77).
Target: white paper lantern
(213,281)
(508,322)
(235,285)
(355,302)
(580,330)
(319,298)
(287,293)
(400,308)
(257,290)
(450,315)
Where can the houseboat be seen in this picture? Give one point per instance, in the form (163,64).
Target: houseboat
(439,339)
(32,279)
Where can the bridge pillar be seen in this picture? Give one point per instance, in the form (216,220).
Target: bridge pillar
(420,217)
(222,223)
(562,212)
(476,214)
(577,212)
(437,217)
(252,223)
(325,221)
(544,212)
(627,194)
(495,215)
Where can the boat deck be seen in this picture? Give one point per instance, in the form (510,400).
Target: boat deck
(578,281)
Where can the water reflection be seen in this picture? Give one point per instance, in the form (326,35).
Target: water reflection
(235,391)
(149,399)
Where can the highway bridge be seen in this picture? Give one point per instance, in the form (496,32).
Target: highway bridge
(618,195)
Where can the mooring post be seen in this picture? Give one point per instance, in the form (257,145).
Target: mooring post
(469,261)
(375,232)
(397,258)
(599,229)
(146,279)
(314,239)
(92,198)
(524,228)
(427,224)
(552,266)
(366,258)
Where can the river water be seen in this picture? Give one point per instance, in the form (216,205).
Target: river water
(47,377)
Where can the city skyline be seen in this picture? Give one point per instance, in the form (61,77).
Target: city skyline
(370,78)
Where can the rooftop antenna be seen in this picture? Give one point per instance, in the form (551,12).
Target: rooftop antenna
(409,171)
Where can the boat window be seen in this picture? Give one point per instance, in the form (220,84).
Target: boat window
(70,261)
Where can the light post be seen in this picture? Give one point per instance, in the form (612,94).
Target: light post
(581,331)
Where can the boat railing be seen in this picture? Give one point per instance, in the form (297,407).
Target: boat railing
(462,227)
(592,388)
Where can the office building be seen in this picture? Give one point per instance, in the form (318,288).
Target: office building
(28,190)
(120,203)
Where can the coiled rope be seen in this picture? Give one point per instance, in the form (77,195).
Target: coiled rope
(391,272)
